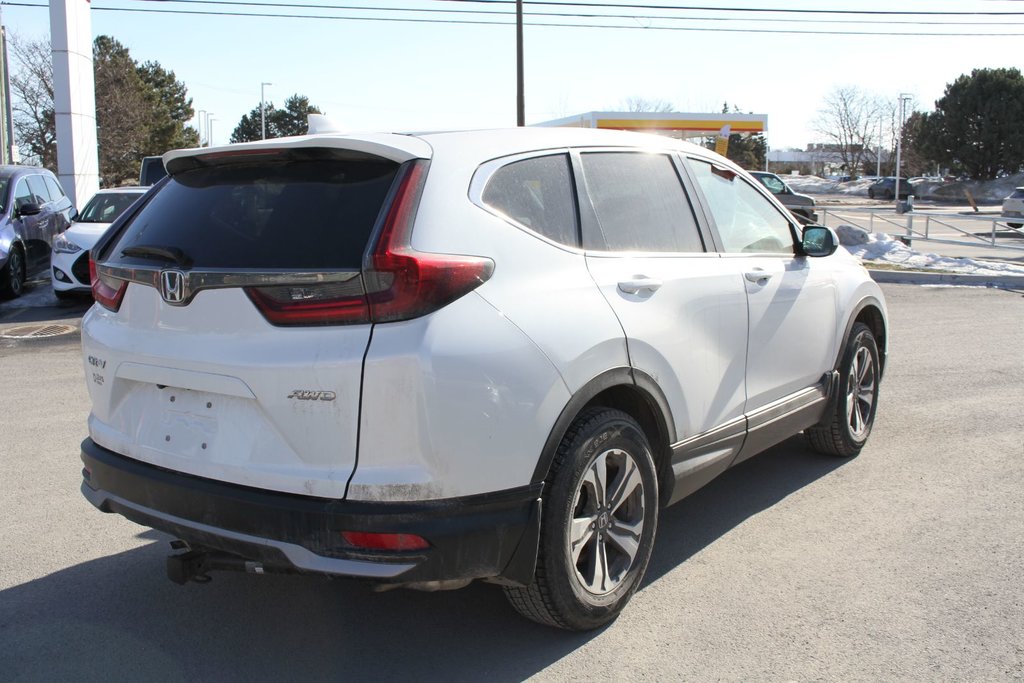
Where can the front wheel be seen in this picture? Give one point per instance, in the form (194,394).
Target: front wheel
(599,519)
(846,429)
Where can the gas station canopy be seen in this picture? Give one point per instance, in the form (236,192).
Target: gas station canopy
(675,124)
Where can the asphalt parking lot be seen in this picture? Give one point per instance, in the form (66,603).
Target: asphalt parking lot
(901,564)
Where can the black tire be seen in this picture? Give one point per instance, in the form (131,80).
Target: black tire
(848,426)
(889,195)
(13,275)
(871,193)
(590,590)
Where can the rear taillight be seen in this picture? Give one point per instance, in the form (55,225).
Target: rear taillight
(320,304)
(107,291)
(400,283)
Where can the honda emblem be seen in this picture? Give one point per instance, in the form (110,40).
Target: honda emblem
(172,286)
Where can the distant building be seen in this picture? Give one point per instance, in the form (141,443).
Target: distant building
(820,159)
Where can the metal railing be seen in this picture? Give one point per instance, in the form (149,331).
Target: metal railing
(918,226)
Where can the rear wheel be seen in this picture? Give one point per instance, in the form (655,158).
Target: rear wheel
(598,524)
(13,276)
(851,420)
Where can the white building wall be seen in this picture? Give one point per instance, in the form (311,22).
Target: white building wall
(74,98)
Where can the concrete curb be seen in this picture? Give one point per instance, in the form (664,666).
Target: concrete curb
(915,277)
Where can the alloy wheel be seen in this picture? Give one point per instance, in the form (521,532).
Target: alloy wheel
(607,521)
(860,393)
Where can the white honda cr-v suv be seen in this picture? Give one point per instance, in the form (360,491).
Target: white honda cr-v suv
(427,359)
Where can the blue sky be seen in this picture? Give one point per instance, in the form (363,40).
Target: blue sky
(403,76)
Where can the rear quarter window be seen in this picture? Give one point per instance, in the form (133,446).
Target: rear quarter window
(299,215)
(538,194)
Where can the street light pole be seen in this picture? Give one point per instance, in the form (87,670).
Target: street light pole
(520,95)
(263,113)
(209,128)
(904,98)
(199,125)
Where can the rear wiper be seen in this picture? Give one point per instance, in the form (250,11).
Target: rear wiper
(174,254)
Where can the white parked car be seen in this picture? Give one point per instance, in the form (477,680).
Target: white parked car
(428,359)
(69,260)
(1013,207)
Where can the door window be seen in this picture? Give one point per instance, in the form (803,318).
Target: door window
(536,193)
(640,204)
(56,191)
(747,222)
(22,195)
(36,185)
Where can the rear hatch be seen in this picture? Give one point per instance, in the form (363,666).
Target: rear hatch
(232,320)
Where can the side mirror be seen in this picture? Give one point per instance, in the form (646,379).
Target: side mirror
(819,241)
(29,209)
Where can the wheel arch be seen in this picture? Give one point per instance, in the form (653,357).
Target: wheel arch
(869,312)
(634,393)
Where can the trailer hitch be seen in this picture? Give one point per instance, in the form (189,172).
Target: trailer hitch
(196,563)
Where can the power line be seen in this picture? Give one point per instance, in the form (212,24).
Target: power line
(509,13)
(704,8)
(958,34)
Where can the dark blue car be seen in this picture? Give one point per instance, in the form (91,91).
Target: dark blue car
(33,210)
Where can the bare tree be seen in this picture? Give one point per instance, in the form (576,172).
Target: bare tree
(642,104)
(849,121)
(32,85)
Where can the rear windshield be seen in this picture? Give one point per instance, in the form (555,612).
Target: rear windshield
(300,214)
(1017,194)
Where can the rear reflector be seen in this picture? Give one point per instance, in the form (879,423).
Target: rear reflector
(374,541)
(107,291)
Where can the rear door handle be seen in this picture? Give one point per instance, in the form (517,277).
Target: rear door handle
(638,284)
(757,276)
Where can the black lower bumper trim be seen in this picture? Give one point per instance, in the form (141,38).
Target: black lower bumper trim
(480,536)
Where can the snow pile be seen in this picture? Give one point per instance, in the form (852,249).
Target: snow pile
(881,248)
(811,184)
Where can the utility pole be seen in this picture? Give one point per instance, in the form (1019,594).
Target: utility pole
(904,98)
(520,95)
(263,113)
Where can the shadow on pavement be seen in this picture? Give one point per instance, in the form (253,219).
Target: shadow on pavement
(118,617)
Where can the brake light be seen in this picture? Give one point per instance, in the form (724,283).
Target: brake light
(107,291)
(403,283)
(366,540)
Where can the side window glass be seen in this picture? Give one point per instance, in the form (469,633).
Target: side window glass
(36,185)
(22,195)
(537,193)
(773,184)
(56,191)
(746,221)
(640,204)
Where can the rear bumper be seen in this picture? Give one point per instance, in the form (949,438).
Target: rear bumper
(488,535)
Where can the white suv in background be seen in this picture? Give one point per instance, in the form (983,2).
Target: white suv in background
(428,359)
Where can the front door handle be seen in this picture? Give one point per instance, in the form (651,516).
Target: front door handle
(639,284)
(758,277)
